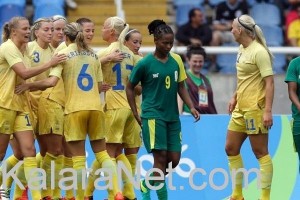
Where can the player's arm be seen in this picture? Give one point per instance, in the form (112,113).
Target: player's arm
(115,56)
(25,73)
(37,85)
(131,100)
(184,95)
(180,104)
(268,120)
(292,89)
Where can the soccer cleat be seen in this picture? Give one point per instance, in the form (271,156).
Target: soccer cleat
(125,198)
(47,198)
(235,199)
(119,196)
(145,191)
(5,194)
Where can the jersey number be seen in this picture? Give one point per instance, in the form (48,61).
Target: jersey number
(27,120)
(117,69)
(250,124)
(168,82)
(36,58)
(84,76)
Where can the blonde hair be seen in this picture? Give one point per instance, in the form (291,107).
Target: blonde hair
(8,26)
(74,32)
(254,31)
(119,25)
(36,26)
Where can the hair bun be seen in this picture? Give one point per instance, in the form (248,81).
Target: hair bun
(154,24)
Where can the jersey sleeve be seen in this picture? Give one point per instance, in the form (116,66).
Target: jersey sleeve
(182,74)
(263,62)
(56,71)
(292,73)
(12,56)
(137,73)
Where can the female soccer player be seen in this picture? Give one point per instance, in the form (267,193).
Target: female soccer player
(251,105)
(162,76)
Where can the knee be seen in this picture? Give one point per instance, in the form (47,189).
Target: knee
(29,151)
(230,150)
(260,152)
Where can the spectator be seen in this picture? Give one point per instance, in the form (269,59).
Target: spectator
(198,85)
(226,12)
(293,36)
(196,31)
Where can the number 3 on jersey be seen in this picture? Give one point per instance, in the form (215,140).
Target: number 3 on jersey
(84,80)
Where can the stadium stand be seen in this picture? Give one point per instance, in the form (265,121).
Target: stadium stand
(45,8)
(9,10)
(136,15)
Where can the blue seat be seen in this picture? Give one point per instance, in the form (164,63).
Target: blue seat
(38,3)
(226,62)
(266,14)
(9,11)
(215,2)
(48,10)
(279,63)
(273,35)
(21,3)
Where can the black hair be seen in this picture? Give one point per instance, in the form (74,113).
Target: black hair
(158,28)
(192,13)
(195,49)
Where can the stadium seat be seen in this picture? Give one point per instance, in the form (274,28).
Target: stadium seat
(8,11)
(273,35)
(279,63)
(266,14)
(226,61)
(45,8)
(215,2)
(20,3)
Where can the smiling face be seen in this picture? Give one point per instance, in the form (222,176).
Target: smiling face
(21,32)
(134,42)
(88,29)
(196,63)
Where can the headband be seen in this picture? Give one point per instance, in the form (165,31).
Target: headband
(246,27)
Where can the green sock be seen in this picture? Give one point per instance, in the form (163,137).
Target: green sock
(162,193)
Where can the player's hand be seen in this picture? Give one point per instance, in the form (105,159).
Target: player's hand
(116,56)
(231,105)
(21,88)
(268,119)
(105,87)
(195,114)
(58,58)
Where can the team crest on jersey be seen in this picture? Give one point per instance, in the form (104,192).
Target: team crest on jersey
(155,75)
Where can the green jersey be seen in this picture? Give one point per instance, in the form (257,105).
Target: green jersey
(160,86)
(293,75)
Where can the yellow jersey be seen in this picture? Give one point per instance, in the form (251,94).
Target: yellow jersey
(81,73)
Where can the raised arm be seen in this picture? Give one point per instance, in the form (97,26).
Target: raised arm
(28,72)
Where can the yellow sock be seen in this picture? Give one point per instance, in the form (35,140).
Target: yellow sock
(132,158)
(128,190)
(109,163)
(30,164)
(79,166)
(266,170)
(47,167)
(90,188)
(58,166)
(18,192)
(39,160)
(235,163)
(10,162)
(68,163)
